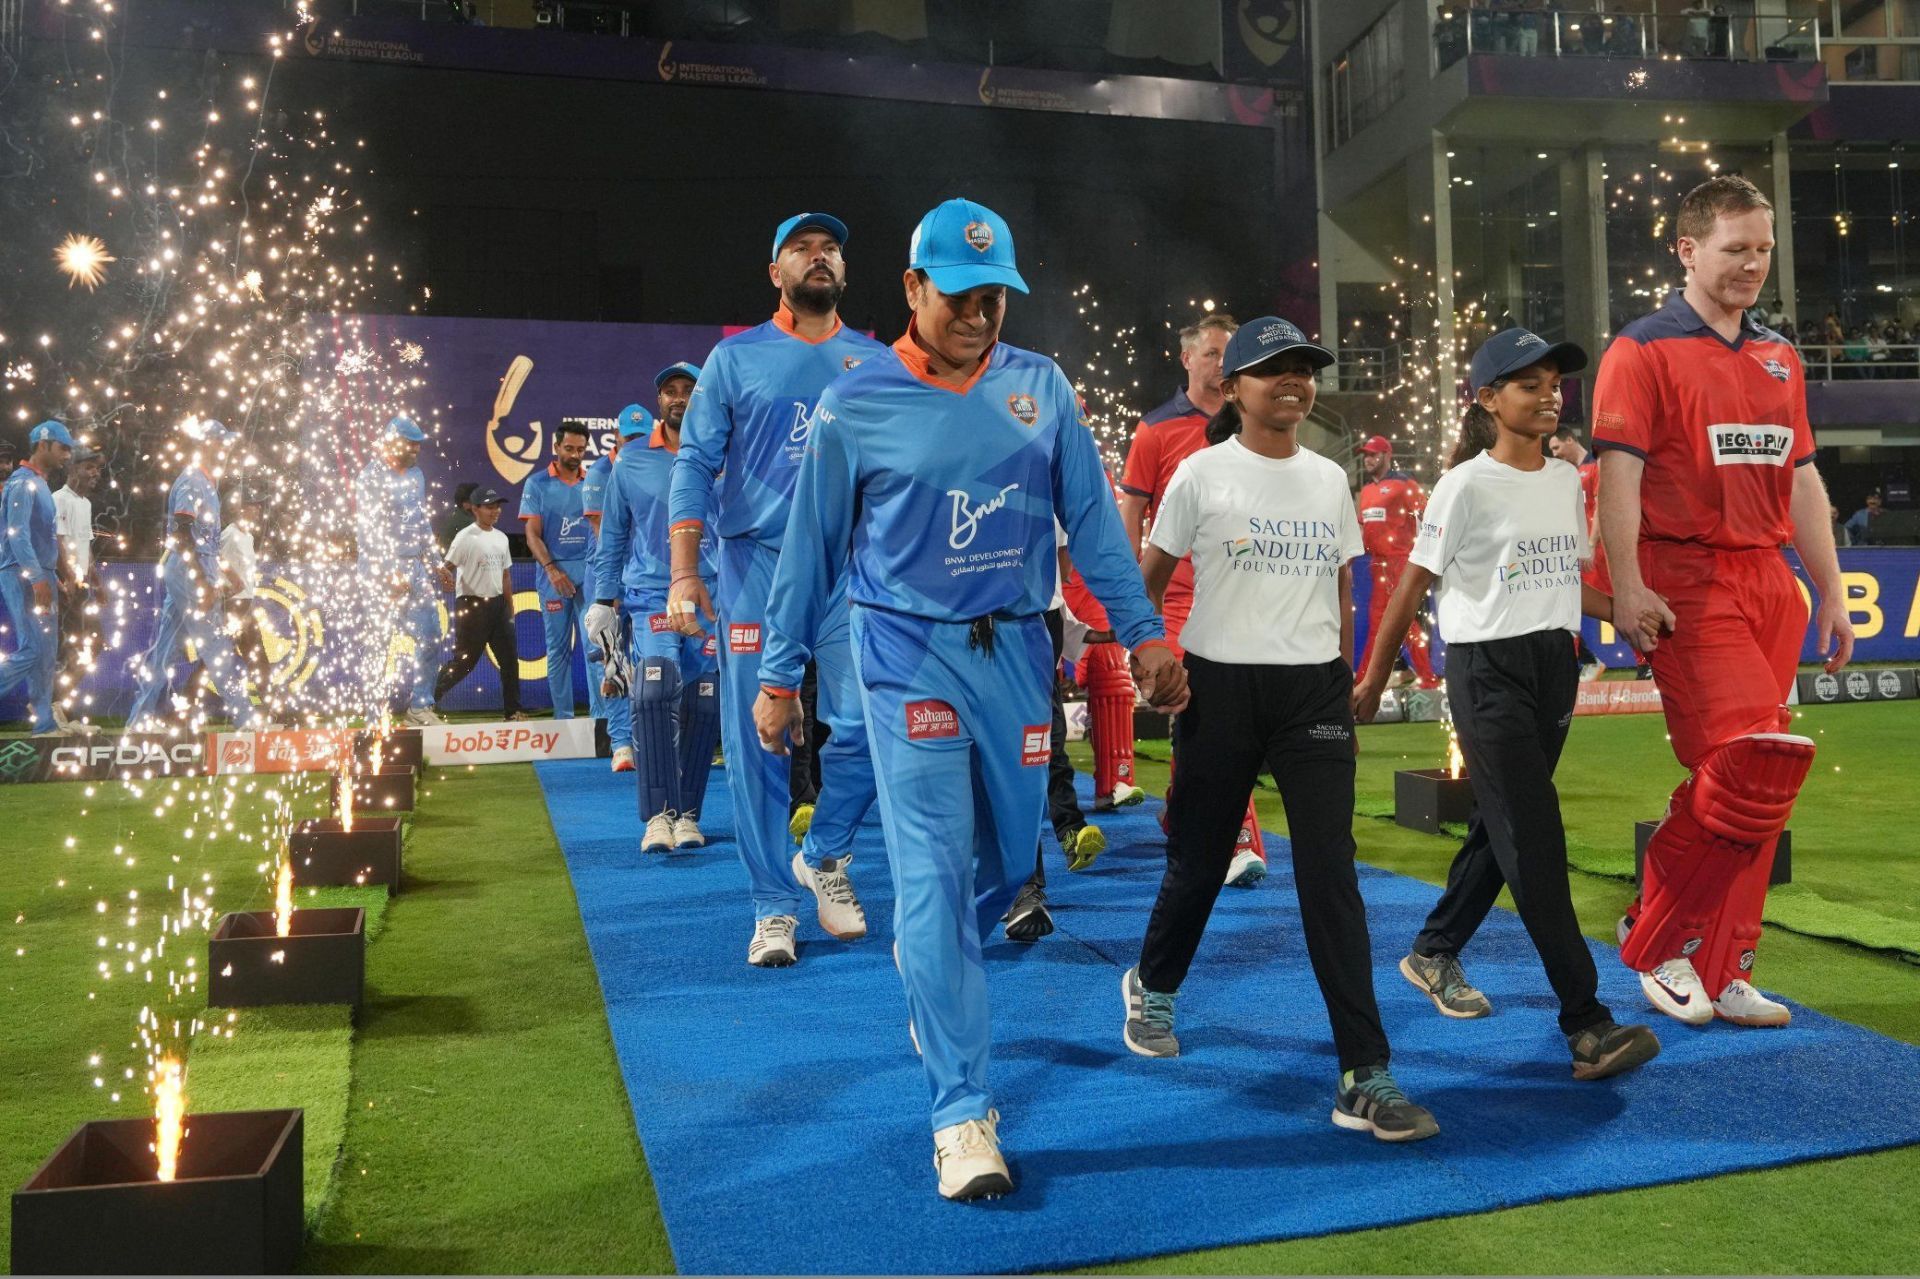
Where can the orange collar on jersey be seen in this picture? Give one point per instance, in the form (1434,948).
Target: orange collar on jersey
(659,440)
(553,469)
(29,466)
(914,356)
(784,321)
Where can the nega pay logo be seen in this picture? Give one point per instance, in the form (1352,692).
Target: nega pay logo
(1742,444)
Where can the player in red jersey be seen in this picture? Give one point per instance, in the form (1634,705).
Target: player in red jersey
(1700,416)
(1390,505)
(1166,437)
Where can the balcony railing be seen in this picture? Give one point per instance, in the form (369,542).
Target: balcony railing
(1858,360)
(1482,28)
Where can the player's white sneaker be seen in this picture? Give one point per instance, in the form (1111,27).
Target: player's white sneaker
(1246,869)
(967,1156)
(840,912)
(659,836)
(687,832)
(622,759)
(1675,989)
(1742,1005)
(772,944)
(421,717)
(1125,795)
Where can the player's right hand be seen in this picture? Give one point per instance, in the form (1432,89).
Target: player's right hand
(778,721)
(1161,677)
(42,594)
(1630,603)
(689,591)
(1366,698)
(561,582)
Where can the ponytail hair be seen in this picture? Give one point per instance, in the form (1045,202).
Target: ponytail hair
(1478,430)
(1223,425)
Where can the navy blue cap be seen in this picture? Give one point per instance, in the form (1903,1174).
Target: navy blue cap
(1511,350)
(680,369)
(403,427)
(485,497)
(1266,337)
(635,420)
(806,221)
(962,245)
(49,430)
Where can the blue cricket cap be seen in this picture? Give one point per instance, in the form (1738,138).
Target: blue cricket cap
(208,430)
(1266,337)
(49,430)
(403,427)
(807,221)
(1509,351)
(635,420)
(681,369)
(962,245)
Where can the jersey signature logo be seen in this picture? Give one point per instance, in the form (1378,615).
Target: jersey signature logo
(797,434)
(573,526)
(1024,407)
(967,517)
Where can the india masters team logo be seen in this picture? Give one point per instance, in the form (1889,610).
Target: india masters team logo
(1024,407)
(979,236)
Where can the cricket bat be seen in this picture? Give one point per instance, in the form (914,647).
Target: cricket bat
(510,384)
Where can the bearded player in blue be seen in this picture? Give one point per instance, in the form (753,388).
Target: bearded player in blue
(190,609)
(675,688)
(400,562)
(931,484)
(746,428)
(560,538)
(30,572)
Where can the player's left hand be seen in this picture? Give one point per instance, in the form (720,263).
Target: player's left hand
(1161,677)
(778,720)
(1833,633)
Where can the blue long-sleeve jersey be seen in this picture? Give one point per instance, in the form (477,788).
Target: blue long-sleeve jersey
(940,503)
(746,425)
(195,496)
(390,514)
(633,548)
(29,547)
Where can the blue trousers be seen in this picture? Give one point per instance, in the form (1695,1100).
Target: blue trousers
(182,622)
(759,780)
(962,736)
(416,617)
(36,649)
(673,733)
(564,622)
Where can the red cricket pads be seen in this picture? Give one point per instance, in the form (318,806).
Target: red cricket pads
(1103,670)
(1249,836)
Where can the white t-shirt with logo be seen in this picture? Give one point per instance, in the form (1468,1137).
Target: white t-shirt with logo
(479,556)
(1268,537)
(1507,546)
(237,554)
(73,525)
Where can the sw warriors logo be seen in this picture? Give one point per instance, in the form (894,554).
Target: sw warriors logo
(1024,407)
(979,236)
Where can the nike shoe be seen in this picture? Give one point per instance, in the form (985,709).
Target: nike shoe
(772,945)
(801,822)
(1606,1049)
(967,1157)
(840,912)
(1675,989)
(1441,979)
(1742,1005)
(1083,846)
(421,717)
(687,832)
(1246,869)
(659,836)
(1029,920)
(1370,1101)
(1149,1026)
(622,759)
(1125,795)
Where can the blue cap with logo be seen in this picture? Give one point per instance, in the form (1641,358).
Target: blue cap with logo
(403,427)
(962,245)
(679,369)
(635,420)
(1511,350)
(1266,337)
(49,430)
(206,430)
(808,222)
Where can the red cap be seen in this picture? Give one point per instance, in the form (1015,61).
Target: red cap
(1378,444)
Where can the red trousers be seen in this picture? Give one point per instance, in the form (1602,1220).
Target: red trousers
(1387,571)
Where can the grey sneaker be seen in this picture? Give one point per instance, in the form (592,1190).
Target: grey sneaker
(1149,1028)
(1029,920)
(1441,979)
(1370,1101)
(1607,1049)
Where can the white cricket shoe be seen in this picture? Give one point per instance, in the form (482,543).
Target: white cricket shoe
(967,1156)
(1676,990)
(421,717)
(659,836)
(840,912)
(1246,869)
(772,944)
(1742,1005)
(1125,795)
(687,833)
(622,760)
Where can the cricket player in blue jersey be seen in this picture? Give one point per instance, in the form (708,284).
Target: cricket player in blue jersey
(675,687)
(619,711)
(933,477)
(746,428)
(30,572)
(190,610)
(395,545)
(560,539)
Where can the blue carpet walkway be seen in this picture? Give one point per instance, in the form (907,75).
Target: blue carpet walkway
(784,1114)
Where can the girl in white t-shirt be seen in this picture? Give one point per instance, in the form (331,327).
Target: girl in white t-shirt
(1505,537)
(1272,533)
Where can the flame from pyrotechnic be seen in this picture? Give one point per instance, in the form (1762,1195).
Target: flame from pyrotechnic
(84,258)
(1456,762)
(170,1115)
(283,897)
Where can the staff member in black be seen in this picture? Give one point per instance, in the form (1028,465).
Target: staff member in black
(482,568)
(1272,531)
(1504,536)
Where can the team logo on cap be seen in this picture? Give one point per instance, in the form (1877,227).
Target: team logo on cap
(1023,407)
(1279,333)
(979,235)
